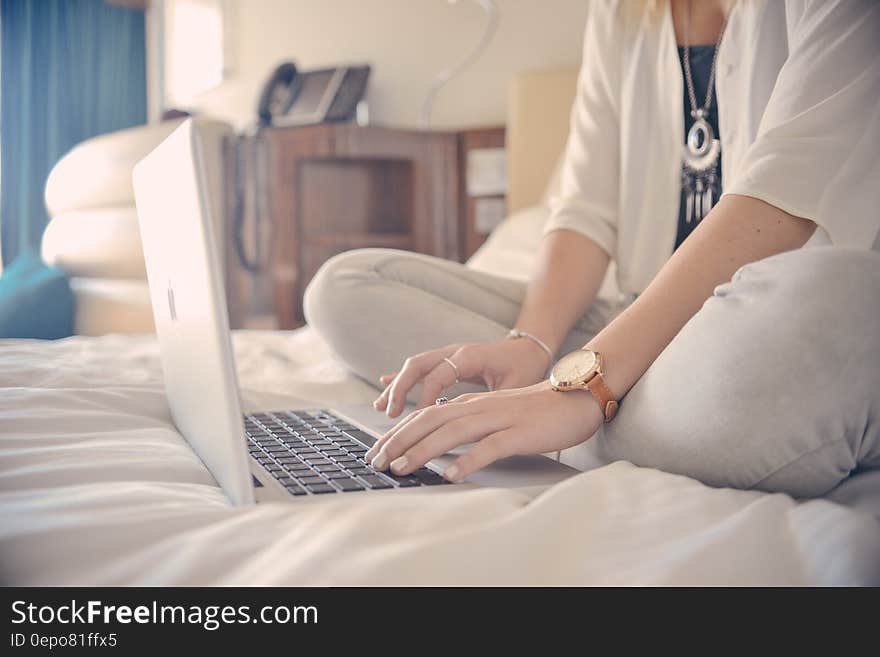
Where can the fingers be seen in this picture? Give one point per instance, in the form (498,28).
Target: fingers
(440,428)
(464,365)
(381,402)
(415,369)
(416,451)
(418,424)
(434,383)
(433,372)
(371,453)
(495,446)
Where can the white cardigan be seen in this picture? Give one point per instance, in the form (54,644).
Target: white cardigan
(798,92)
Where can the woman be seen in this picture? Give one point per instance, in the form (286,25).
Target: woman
(743,359)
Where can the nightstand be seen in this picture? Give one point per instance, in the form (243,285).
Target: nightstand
(320,190)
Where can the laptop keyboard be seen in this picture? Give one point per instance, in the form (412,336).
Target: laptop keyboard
(316,452)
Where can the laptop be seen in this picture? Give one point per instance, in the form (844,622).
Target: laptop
(288,454)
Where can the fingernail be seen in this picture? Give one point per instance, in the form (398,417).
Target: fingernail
(398,465)
(369,455)
(451,473)
(379,461)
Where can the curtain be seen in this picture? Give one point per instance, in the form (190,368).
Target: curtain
(69,70)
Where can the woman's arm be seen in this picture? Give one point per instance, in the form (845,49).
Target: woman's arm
(814,155)
(566,280)
(737,231)
(536,419)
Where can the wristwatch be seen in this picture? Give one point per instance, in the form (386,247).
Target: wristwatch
(582,370)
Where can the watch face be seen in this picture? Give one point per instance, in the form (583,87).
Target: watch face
(573,368)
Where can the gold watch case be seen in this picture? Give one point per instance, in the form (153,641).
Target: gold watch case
(574,370)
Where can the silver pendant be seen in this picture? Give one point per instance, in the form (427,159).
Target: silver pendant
(699,192)
(702,149)
(698,178)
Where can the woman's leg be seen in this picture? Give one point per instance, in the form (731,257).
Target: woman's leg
(376,307)
(774,384)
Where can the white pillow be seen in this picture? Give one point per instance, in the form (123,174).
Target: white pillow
(510,249)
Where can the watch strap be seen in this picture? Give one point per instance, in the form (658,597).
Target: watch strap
(603,395)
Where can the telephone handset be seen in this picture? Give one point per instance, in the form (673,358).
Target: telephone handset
(292,97)
(278,93)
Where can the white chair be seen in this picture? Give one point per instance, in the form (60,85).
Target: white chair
(93,234)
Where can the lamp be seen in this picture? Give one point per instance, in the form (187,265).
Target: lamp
(492,17)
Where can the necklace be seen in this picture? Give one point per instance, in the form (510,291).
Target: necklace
(702,149)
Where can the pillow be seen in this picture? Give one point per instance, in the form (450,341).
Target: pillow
(35,300)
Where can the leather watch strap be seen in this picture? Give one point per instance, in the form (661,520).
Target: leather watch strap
(603,395)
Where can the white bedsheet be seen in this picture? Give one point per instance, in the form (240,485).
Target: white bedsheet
(97,487)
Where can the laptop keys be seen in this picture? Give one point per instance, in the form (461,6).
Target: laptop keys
(429,477)
(339,474)
(375,482)
(348,485)
(310,479)
(317,489)
(360,436)
(407,481)
(317,453)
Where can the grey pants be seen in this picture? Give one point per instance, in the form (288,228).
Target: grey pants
(774,384)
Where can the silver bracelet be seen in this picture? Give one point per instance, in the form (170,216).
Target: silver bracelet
(516,333)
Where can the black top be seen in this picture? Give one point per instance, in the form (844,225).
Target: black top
(701,66)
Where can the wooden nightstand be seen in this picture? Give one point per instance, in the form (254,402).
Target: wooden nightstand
(329,188)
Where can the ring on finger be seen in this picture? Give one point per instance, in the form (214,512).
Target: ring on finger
(454,368)
(441,401)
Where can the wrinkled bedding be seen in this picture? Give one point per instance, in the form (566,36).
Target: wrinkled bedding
(97,487)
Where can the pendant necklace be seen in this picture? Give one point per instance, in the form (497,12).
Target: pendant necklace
(702,149)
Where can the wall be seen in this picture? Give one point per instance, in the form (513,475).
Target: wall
(407,42)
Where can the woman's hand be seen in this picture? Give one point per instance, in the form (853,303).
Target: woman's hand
(497,365)
(528,420)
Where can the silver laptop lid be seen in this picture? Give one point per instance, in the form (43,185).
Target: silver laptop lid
(189,306)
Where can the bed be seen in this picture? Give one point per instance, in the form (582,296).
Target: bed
(98,488)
